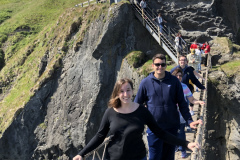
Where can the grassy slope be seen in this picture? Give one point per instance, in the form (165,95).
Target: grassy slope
(28,30)
(225,46)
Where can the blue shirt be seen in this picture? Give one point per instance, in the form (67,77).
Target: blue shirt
(161,98)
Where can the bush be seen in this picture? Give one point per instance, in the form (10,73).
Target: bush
(135,58)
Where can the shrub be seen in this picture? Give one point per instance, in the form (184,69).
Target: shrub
(135,58)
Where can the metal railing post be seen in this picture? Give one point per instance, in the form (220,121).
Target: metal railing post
(143,15)
(159,34)
(168,31)
(177,57)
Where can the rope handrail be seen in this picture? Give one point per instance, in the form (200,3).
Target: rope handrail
(95,151)
(198,154)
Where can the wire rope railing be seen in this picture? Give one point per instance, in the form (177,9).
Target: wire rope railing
(200,134)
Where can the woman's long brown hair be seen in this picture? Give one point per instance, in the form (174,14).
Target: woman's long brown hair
(114,100)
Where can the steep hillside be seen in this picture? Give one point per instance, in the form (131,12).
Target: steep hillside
(25,33)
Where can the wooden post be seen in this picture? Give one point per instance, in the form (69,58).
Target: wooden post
(82,4)
(89,2)
(96,1)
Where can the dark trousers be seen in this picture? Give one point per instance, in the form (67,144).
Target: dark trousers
(206,59)
(158,149)
(182,135)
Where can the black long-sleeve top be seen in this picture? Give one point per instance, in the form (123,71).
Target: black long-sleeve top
(189,75)
(127,131)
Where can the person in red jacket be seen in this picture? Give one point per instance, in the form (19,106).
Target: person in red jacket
(194,45)
(206,49)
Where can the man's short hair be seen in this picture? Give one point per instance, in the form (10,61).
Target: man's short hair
(159,56)
(181,57)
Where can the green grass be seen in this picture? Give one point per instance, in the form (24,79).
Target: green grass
(216,68)
(231,68)
(33,28)
(169,67)
(135,58)
(30,15)
(146,68)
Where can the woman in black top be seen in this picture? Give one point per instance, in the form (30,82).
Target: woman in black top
(125,121)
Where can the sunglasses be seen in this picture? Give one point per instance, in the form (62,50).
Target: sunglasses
(160,64)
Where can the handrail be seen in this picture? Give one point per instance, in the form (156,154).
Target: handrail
(151,26)
(95,151)
(87,3)
(199,154)
(172,33)
(166,40)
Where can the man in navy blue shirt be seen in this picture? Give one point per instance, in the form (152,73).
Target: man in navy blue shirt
(161,92)
(188,74)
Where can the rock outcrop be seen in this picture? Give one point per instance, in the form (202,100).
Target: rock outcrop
(222,132)
(201,20)
(222,125)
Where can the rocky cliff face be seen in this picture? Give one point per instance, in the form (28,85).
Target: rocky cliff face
(201,20)
(222,125)
(229,10)
(222,137)
(65,113)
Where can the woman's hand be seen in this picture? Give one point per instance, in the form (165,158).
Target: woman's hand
(201,103)
(77,157)
(193,145)
(193,124)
